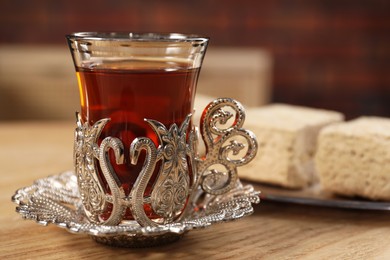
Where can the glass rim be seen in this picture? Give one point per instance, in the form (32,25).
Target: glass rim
(137,37)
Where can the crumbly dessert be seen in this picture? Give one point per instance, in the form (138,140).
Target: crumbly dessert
(353,158)
(287,138)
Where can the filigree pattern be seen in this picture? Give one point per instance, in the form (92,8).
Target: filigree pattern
(56,200)
(216,133)
(172,186)
(85,149)
(181,173)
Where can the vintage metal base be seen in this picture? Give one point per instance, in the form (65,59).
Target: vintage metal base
(138,241)
(56,200)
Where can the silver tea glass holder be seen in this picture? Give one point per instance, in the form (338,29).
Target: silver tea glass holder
(213,192)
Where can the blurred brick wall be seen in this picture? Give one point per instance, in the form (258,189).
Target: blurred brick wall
(328,54)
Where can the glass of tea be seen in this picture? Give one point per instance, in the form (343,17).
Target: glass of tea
(137,94)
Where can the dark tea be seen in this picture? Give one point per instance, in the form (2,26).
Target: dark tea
(129,92)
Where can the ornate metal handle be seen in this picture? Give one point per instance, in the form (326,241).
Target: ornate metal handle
(219,170)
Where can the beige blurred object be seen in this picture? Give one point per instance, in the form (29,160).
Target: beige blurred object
(353,158)
(287,138)
(39,82)
(240,73)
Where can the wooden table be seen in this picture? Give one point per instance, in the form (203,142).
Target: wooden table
(29,151)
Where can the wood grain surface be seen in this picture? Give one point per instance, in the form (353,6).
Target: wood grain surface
(33,150)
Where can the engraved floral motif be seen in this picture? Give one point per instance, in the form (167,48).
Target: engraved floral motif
(85,150)
(172,185)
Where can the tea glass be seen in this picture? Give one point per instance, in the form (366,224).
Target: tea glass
(134,145)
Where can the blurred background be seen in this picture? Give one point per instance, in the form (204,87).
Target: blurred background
(318,53)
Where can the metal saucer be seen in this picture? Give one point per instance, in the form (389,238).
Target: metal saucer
(55,199)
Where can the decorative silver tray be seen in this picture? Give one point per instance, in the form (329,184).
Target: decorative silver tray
(55,200)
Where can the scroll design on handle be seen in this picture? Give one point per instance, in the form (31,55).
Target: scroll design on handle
(224,142)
